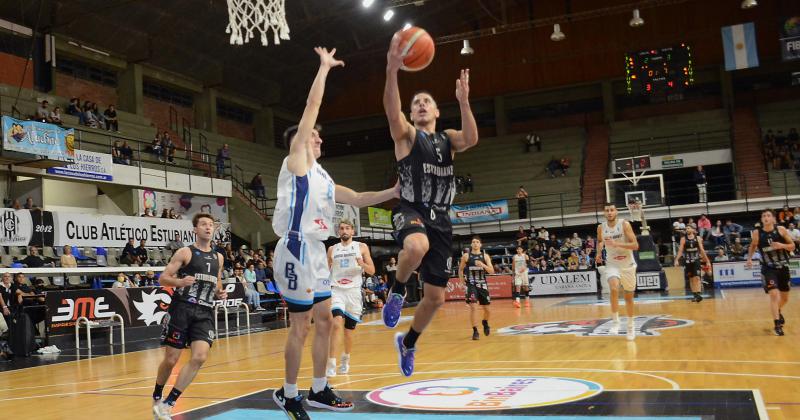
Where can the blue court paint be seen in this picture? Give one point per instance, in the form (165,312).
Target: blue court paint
(252,414)
(594,301)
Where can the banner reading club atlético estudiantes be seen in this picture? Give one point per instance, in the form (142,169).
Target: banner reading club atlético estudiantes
(44,228)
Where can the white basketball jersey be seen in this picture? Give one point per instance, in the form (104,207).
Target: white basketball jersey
(345,271)
(616,256)
(306,204)
(519,264)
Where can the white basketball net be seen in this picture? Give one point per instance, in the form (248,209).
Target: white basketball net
(246,16)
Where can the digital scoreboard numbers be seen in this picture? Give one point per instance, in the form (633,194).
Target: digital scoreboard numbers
(659,72)
(638,163)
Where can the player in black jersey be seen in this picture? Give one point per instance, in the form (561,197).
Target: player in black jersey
(195,272)
(691,248)
(472,270)
(427,187)
(774,244)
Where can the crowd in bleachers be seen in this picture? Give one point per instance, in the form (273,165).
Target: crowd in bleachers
(549,253)
(782,150)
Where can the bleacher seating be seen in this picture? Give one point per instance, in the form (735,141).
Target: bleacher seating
(780,116)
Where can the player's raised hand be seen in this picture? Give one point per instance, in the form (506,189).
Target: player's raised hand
(394,58)
(462,86)
(326,57)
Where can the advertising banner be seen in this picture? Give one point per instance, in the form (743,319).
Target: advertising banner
(479,212)
(379,218)
(563,283)
(790,38)
(735,274)
(48,141)
(138,306)
(499,287)
(648,280)
(88,165)
(184,205)
(346,211)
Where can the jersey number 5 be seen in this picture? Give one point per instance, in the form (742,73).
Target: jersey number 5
(291,276)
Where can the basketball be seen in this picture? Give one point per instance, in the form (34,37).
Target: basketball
(418,48)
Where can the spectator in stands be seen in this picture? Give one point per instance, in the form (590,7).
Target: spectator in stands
(718,234)
(16,205)
(553,166)
(678,229)
(171,214)
(563,164)
(534,266)
(558,265)
(116,153)
(155,147)
(261,271)
(223,154)
(732,230)
(42,113)
(533,140)
(573,261)
(702,183)
(90,118)
(55,116)
(721,256)
(74,108)
(257,185)
(794,233)
(737,249)
(6,297)
(67,259)
(165,214)
(522,202)
(29,205)
(149,279)
(110,118)
(796,216)
(575,243)
(34,260)
(122,282)
(252,294)
(543,234)
(126,153)
(20,289)
(129,255)
(522,237)
(141,252)
(553,253)
(468,185)
(101,124)
(703,226)
(169,149)
(785,216)
(584,261)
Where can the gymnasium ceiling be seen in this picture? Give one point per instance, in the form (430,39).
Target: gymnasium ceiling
(188,36)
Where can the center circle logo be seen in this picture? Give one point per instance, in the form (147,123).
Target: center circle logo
(484,393)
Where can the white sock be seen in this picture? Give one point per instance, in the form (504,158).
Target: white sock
(318,384)
(516,299)
(631,321)
(345,356)
(332,361)
(289,390)
(615,317)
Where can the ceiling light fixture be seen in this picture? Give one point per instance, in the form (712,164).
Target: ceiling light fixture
(387,16)
(407,26)
(636,20)
(557,35)
(467,50)
(367,3)
(749,4)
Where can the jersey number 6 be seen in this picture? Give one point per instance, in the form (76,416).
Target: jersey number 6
(291,276)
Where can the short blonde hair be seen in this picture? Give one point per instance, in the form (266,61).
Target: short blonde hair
(347,222)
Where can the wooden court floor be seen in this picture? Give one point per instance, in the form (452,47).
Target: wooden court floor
(727,345)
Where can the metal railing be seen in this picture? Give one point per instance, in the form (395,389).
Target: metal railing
(680,143)
(241,182)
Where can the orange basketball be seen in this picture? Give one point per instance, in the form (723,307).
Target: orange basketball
(418,48)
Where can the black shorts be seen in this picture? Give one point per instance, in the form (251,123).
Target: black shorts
(692,269)
(776,278)
(408,218)
(186,323)
(478,294)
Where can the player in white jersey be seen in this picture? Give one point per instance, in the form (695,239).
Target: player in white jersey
(617,237)
(520,263)
(348,261)
(303,214)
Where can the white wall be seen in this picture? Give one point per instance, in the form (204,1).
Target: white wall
(69,196)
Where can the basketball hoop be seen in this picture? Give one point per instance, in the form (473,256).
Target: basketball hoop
(246,16)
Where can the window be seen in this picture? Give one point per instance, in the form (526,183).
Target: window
(166,94)
(81,70)
(235,113)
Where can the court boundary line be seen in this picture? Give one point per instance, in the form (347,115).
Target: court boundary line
(760,406)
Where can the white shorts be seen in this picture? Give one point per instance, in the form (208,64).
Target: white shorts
(349,301)
(626,276)
(521,279)
(301,273)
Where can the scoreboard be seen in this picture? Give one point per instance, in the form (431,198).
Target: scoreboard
(659,72)
(638,163)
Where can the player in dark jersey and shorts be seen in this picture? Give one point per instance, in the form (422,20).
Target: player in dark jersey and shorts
(474,266)
(195,271)
(774,244)
(691,248)
(427,188)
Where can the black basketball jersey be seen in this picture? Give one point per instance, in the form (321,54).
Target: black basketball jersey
(691,250)
(204,266)
(426,174)
(770,257)
(474,273)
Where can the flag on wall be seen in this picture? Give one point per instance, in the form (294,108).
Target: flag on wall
(739,43)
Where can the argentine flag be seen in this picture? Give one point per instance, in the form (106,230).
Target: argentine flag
(739,42)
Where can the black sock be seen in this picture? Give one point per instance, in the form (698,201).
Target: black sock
(514,294)
(157,391)
(399,288)
(410,340)
(777,322)
(172,397)
(485,322)
(475,329)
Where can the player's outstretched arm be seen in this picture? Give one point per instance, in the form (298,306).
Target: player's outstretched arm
(299,151)
(368,198)
(170,275)
(468,135)
(399,127)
